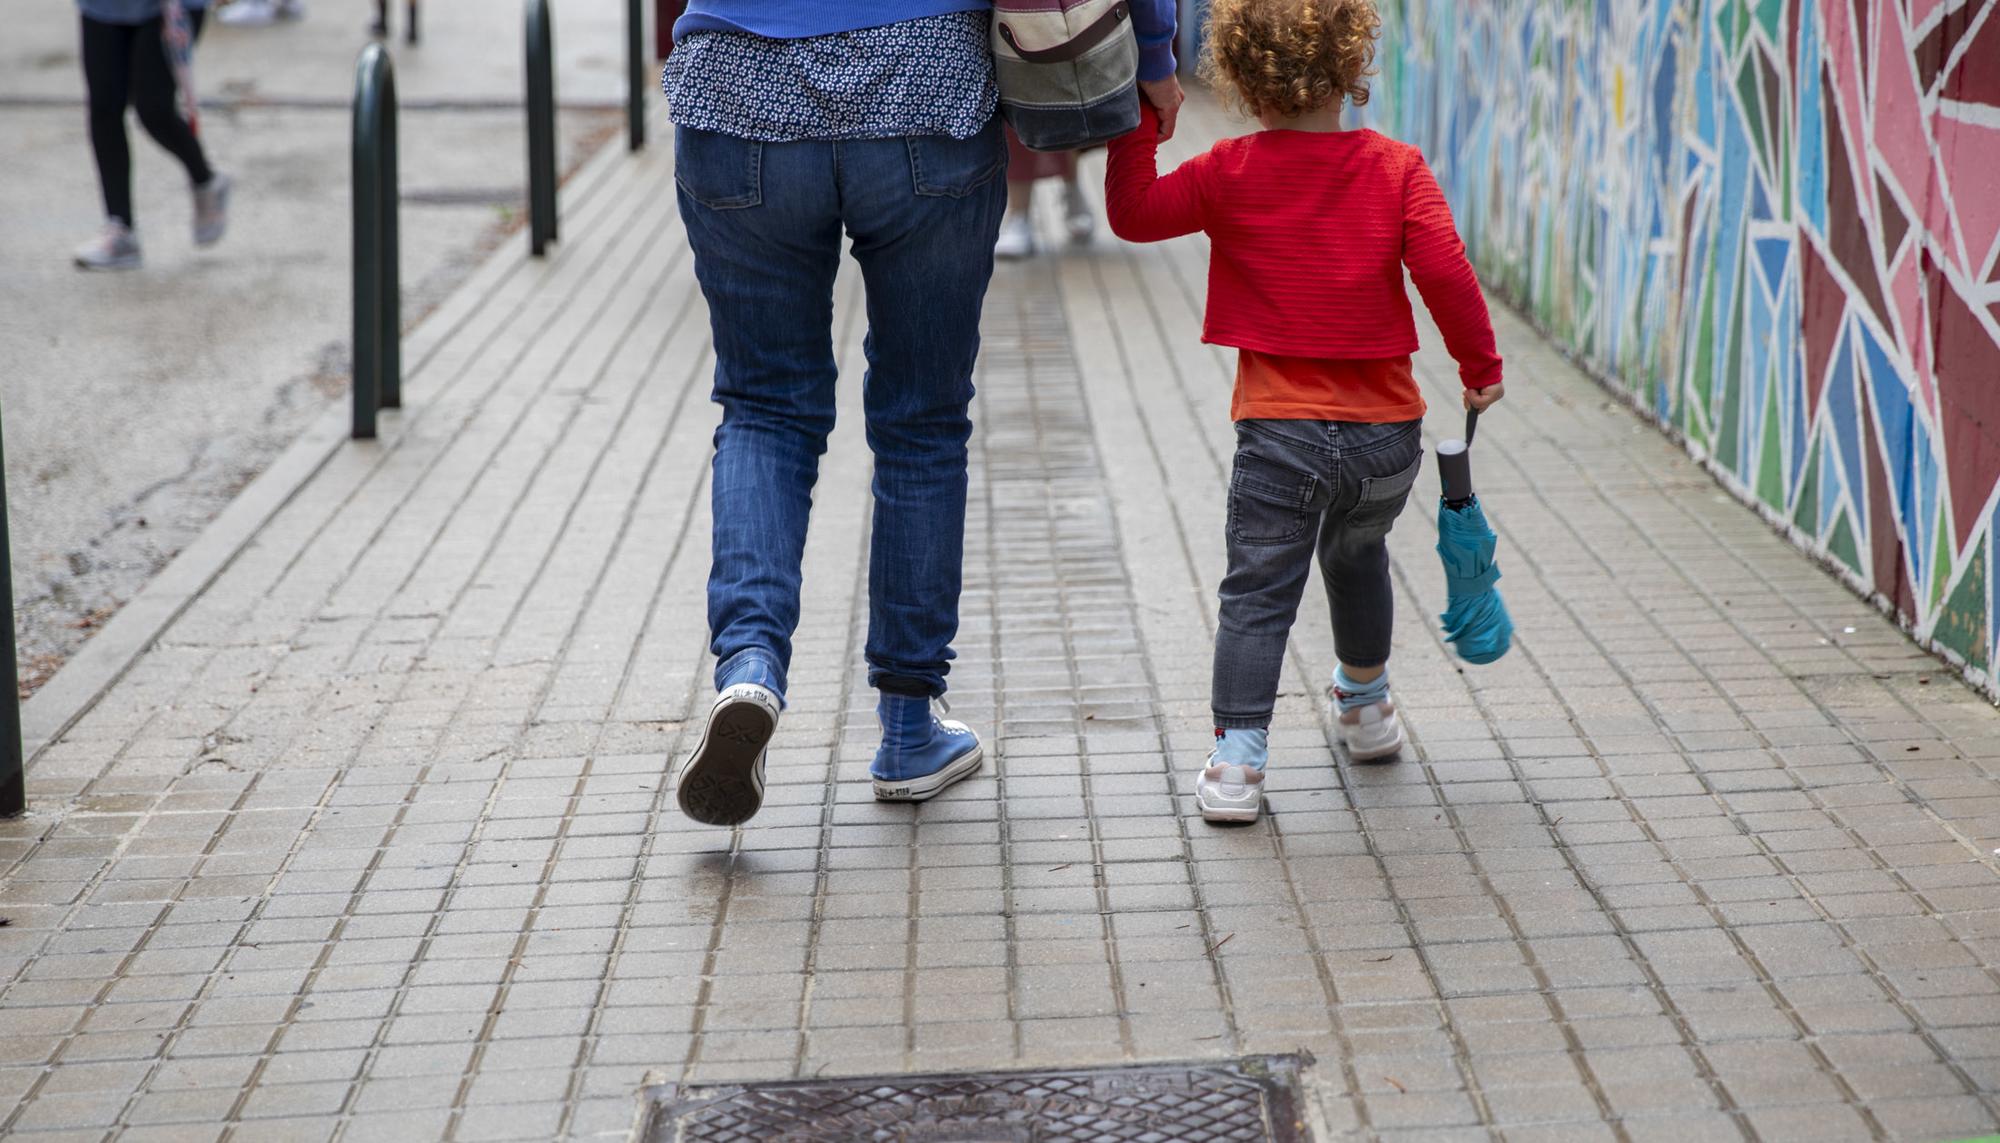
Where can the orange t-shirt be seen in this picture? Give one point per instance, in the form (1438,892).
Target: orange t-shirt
(1271,387)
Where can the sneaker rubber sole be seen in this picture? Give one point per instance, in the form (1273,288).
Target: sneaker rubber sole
(1376,752)
(930,785)
(111,265)
(722,783)
(1226,814)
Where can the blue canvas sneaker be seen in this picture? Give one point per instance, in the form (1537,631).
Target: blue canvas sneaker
(921,754)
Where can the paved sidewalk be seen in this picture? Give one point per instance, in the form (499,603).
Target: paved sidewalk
(375,844)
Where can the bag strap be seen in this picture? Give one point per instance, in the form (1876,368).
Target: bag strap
(1099,31)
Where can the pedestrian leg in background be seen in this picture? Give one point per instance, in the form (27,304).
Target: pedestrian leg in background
(107,77)
(1025,168)
(923,213)
(157,98)
(763,220)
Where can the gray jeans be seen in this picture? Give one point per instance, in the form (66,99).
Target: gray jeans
(1301,488)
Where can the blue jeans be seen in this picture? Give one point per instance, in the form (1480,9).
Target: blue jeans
(765,221)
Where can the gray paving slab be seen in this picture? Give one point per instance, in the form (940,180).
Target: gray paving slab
(376,841)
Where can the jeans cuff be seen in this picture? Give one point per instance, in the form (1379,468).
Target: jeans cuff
(915,686)
(751,665)
(1242,722)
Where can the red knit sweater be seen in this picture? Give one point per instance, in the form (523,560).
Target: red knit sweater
(1309,233)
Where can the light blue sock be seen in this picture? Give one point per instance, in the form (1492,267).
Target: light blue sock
(1353,696)
(1250,748)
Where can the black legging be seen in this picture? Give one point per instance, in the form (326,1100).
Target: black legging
(127,64)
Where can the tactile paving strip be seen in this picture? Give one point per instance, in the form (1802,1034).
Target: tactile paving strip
(1252,1101)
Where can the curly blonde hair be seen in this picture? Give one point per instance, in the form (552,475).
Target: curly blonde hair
(1288,57)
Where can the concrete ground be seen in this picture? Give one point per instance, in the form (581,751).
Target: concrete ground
(377,842)
(137,405)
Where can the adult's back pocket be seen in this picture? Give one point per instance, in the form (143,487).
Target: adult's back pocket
(721,172)
(944,167)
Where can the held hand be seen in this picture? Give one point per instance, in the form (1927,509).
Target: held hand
(1480,400)
(1166,97)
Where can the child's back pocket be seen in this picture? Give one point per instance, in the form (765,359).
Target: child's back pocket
(1383,498)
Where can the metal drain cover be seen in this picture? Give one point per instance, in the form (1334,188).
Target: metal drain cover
(1253,1101)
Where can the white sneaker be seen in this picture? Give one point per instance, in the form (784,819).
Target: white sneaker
(1229,793)
(211,209)
(722,782)
(116,247)
(1078,218)
(260,13)
(1371,733)
(1017,237)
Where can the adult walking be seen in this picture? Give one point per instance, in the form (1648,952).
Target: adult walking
(798,121)
(129,49)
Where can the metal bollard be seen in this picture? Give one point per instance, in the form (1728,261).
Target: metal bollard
(13,777)
(541,128)
(410,33)
(635,75)
(378,295)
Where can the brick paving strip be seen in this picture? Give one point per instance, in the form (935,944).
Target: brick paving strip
(375,842)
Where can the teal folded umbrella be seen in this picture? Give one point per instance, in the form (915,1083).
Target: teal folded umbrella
(1475,619)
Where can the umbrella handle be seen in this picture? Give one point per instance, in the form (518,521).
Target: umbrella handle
(1455,473)
(1455,464)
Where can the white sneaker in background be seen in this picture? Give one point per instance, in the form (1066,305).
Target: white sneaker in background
(260,13)
(1017,237)
(1371,733)
(114,248)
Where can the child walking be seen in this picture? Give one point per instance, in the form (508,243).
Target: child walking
(1311,227)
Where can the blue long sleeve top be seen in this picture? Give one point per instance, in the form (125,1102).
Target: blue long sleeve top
(1152,20)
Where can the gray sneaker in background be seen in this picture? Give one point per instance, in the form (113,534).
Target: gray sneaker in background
(116,247)
(211,209)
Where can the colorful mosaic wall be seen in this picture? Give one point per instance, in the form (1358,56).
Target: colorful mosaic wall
(1774,223)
